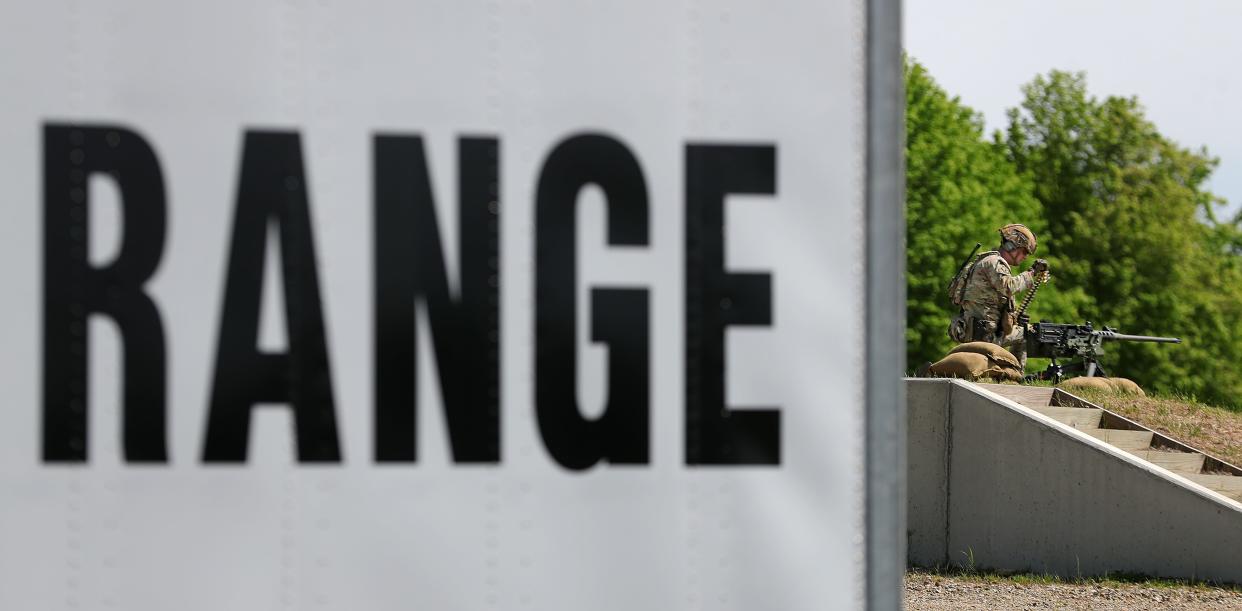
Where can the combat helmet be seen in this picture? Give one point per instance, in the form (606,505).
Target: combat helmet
(1020,235)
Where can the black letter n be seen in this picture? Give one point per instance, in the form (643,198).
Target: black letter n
(409,263)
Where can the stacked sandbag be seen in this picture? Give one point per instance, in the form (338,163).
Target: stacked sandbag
(991,350)
(1117,385)
(977,360)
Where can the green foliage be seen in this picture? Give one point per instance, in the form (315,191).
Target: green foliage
(1122,214)
(960,189)
(1128,210)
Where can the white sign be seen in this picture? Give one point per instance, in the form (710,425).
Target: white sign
(435,305)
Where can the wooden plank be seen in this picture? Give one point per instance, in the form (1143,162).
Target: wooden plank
(1064,398)
(1179,462)
(1077,417)
(1125,440)
(1111,420)
(1030,396)
(1228,485)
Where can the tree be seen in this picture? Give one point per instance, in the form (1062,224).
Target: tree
(960,188)
(1128,211)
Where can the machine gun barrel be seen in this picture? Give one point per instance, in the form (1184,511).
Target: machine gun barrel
(1122,337)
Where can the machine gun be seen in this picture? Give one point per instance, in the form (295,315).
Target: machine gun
(1063,341)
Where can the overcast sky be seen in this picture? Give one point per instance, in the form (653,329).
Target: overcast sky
(1179,57)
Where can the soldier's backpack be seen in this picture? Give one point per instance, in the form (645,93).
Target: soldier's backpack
(957,286)
(959,330)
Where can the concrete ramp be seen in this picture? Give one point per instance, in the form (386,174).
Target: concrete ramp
(1017,478)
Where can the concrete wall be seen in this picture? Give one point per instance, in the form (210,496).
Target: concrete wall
(927,481)
(1018,491)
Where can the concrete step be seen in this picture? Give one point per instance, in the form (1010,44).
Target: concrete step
(1088,420)
(1030,396)
(1177,462)
(1228,485)
(1082,418)
(1125,440)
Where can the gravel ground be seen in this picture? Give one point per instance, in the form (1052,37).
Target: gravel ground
(942,593)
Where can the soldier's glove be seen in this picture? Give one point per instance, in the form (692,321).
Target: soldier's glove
(1040,266)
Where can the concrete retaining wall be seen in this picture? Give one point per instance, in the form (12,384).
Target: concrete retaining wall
(991,480)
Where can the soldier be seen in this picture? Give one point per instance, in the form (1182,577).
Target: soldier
(985,291)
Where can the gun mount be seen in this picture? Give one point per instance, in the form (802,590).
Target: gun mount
(1080,342)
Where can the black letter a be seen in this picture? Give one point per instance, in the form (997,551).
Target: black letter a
(272,189)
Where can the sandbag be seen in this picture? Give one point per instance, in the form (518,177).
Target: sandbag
(989,349)
(1126,385)
(965,365)
(1118,385)
(973,366)
(1093,383)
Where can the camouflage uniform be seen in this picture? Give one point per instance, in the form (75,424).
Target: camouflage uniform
(989,291)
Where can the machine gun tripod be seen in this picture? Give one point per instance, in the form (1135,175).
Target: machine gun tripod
(1081,342)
